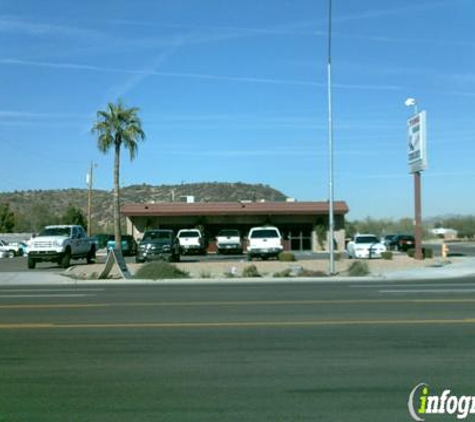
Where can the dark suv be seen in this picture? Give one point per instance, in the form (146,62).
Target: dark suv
(158,244)
(404,242)
(400,242)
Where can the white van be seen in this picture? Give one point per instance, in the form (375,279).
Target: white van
(264,242)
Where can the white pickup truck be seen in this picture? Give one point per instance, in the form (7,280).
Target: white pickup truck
(264,242)
(229,241)
(61,244)
(191,241)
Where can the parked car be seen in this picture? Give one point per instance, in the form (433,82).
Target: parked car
(404,242)
(264,242)
(365,246)
(389,241)
(191,241)
(400,242)
(229,241)
(10,250)
(158,244)
(129,245)
(101,240)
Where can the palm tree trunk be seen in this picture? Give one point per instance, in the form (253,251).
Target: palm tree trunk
(117,235)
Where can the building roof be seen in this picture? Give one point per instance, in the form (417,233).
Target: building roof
(172,209)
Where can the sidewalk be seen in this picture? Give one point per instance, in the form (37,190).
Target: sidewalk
(463,267)
(32,278)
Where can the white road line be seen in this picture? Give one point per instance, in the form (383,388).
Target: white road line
(414,285)
(19,296)
(50,290)
(428,291)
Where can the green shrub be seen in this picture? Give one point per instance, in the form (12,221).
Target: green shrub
(159,270)
(304,272)
(205,274)
(387,255)
(426,253)
(250,271)
(358,269)
(287,257)
(284,273)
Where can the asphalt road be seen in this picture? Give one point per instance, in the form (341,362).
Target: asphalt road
(275,352)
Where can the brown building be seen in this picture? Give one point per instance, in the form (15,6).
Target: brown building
(299,222)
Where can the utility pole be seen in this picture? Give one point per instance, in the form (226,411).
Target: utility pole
(331,223)
(89,199)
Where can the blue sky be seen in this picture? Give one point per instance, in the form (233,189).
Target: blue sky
(236,91)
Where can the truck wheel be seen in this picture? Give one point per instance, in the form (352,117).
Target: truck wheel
(10,254)
(66,260)
(31,263)
(91,255)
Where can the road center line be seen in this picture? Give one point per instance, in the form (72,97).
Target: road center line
(61,295)
(452,291)
(237,324)
(413,285)
(238,303)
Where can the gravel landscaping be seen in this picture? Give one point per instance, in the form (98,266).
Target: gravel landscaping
(223,269)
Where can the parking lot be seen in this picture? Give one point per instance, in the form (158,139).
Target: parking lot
(19,264)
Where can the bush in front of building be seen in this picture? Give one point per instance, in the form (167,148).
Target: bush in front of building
(304,272)
(287,257)
(387,255)
(250,271)
(283,274)
(358,269)
(427,253)
(159,270)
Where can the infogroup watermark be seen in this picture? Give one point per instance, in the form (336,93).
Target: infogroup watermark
(422,402)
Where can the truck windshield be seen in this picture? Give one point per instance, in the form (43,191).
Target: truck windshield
(157,235)
(367,239)
(261,234)
(228,233)
(56,231)
(189,234)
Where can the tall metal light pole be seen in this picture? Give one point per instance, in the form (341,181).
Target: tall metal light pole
(331,222)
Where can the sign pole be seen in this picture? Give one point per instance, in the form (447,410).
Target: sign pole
(418,254)
(417,156)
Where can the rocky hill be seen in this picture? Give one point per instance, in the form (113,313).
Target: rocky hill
(34,208)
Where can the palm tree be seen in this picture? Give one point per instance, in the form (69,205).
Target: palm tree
(116,127)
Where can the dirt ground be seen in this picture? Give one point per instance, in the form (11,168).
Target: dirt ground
(220,269)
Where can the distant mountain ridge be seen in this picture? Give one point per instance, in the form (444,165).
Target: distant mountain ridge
(31,205)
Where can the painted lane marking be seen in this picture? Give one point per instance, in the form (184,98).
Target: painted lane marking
(417,291)
(237,324)
(414,285)
(239,303)
(50,290)
(61,295)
